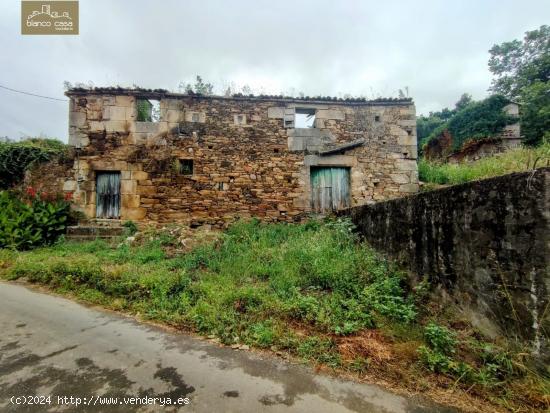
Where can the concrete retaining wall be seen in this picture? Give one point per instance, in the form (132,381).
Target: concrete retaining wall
(485,242)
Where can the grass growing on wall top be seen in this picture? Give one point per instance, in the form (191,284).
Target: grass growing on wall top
(515,160)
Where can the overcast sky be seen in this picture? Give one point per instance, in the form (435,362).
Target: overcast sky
(439,49)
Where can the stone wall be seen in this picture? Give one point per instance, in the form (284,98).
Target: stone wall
(440,149)
(247,161)
(475,150)
(484,242)
(50,177)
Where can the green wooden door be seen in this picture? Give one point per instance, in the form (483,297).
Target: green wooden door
(330,189)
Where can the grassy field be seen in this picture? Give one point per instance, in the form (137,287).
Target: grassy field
(516,160)
(311,291)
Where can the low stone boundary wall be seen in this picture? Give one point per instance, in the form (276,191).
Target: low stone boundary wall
(485,242)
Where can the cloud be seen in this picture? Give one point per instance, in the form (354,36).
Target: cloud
(437,49)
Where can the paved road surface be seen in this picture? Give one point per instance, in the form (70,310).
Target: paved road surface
(53,346)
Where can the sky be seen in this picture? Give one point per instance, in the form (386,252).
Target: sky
(437,49)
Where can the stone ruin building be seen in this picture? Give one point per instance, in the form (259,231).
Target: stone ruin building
(160,157)
(441,148)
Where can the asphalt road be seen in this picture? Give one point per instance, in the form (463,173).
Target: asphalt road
(53,346)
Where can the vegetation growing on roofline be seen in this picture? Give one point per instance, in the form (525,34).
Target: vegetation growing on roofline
(122,90)
(202,88)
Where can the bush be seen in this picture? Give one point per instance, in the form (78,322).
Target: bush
(17,157)
(437,356)
(489,366)
(440,338)
(130,227)
(30,222)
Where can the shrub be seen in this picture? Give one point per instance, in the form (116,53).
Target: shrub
(27,223)
(441,344)
(387,296)
(492,367)
(440,338)
(479,120)
(17,157)
(130,227)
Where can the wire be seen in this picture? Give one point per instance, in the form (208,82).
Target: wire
(32,94)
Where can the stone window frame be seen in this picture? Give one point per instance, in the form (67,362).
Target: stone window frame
(154,116)
(186,161)
(309,112)
(289,116)
(195,116)
(240,119)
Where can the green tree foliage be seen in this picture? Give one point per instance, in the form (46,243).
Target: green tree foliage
(17,157)
(144,110)
(435,122)
(518,64)
(479,120)
(521,70)
(464,101)
(535,113)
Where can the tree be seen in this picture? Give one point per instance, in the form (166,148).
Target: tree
(522,73)
(518,64)
(535,112)
(464,101)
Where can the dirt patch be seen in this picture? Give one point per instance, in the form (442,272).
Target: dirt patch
(368,345)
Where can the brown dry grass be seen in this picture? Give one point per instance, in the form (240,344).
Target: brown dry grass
(369,344)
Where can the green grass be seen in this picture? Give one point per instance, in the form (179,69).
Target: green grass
(516,160)
(312,290)
(244,288)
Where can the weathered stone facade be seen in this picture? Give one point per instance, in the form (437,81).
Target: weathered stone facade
(247,157)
